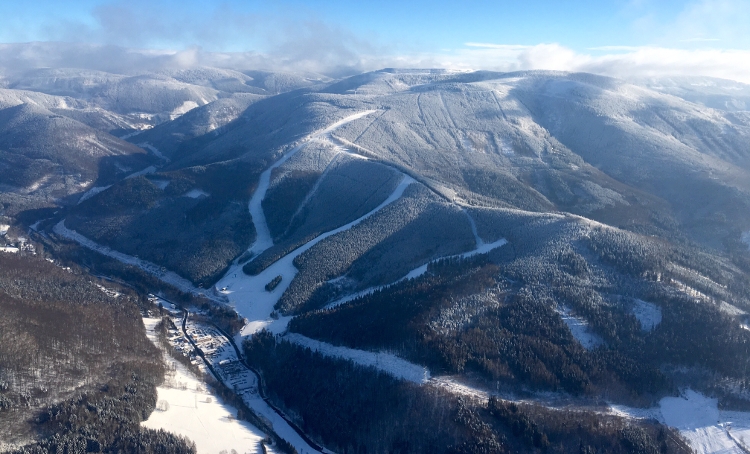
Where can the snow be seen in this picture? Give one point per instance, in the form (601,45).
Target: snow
(92,192)
(222,356)
(161,273)
(146,171)
(161,184)
(186,107)
(154,150)
(707,429)
(386,362)
(648,314)
(248,293)
(10,249)
(196,193)
(198,414)
(4,229)
(579,328)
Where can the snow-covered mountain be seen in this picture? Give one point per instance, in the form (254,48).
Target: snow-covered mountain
(538,232)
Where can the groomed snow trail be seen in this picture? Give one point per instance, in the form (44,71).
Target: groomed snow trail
(481,248)
(162,274)
(386,362)
(263,238)
(248,293)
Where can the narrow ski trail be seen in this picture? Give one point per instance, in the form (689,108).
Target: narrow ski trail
(263,239)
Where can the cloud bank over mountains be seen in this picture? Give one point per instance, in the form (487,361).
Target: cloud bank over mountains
(341,58)
(707,38)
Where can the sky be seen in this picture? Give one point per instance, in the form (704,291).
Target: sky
(624,38)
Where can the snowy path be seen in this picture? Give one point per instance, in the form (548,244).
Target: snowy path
(263,239)
(386,362)
(161,273)
(481,248)
(248,294)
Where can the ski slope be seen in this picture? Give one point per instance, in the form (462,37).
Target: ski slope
(263,238)
(481,248)
(248,294)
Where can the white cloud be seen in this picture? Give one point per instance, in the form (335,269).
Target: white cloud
(325,54)
(619,61)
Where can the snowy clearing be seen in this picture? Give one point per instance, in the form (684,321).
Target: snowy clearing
(196,193)
(248,293)
(386,362)
(648,314)
(707,429)
(579,328)
(195,412)
(146,171)
(9,249)
(4,229)
(161,184)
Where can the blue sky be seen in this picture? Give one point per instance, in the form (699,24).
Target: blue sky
(493,34)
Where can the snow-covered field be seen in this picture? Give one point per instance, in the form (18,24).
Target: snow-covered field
(579,328)
(648,314)
(707,429)
(223,358)
(193,411)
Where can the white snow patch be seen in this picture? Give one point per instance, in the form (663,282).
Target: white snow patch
(198,414)
(579,328)
(161,184)
(92,192)
(196,193)
(730,309)
(707,429)
(9,249)
(186,107)
(386,362)
(146,171)
(4,229)
(648,314)
(154,150)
